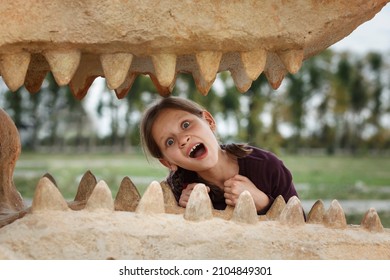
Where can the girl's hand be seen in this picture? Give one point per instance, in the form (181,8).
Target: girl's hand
(238,184)
(185,194)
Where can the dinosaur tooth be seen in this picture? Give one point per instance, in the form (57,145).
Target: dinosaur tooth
(47,197)
(13,68)
(100,198)
(152,201)
(115,67)
(63,64)
(34,80)
(127,197)
(86,186)
(199,206)
(208,65)
(245,209)
(125,87)
(334,216)
(89,69)
(276,208)
(292,60)
(371,221)
(274,70)
(51,178)
(36,75)
(162,90)
(316,213)
(165,68)
(241,79)
(254,62)
(292,214)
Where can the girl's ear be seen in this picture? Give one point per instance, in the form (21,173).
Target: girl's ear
(209,119)
(166,163)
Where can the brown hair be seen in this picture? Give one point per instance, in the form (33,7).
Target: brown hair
(150,115)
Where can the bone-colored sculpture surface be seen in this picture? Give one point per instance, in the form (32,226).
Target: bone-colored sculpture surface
(80,40)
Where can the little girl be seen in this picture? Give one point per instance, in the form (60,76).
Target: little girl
(180,133)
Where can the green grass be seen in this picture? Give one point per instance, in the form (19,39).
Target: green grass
(315,177)
(68,170)
(341,177)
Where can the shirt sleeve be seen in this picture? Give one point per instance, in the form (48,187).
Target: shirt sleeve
(270,175)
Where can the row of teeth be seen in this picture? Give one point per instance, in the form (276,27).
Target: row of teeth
(158,199)
(78,70)
(193,149)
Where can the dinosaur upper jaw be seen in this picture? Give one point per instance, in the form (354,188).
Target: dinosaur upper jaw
(81,40)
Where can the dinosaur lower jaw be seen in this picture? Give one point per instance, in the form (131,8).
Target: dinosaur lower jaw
(79,41)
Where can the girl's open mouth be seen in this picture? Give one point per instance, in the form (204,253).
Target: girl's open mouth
(197,151)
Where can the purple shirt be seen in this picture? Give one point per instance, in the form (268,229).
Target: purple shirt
(263,168)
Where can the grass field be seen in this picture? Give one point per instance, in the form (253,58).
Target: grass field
(315,177)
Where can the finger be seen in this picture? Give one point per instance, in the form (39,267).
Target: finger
(191,186)
(183,202)
(229,202)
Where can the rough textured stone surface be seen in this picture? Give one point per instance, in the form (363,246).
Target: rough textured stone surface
(81,40)
(129,235)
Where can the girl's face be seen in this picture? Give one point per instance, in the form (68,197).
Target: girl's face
(186,140)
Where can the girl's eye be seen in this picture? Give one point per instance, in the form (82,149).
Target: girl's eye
(169,142)
(185,124)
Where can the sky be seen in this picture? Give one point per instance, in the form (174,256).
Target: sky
(373,35)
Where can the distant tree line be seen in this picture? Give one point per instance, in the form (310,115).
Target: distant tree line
(336,102)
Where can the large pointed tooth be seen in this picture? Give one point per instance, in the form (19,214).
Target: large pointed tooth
(48,197)
(100,198)
(116,67)
(199,206)
(254,62)
(36,73)
(127,197)
(125,87)
(152,201)
(245,209)
(63,64)
(292,214)
(13,68)
(292,59)
(169,197)
(165,68)
(335,217)
(80,85)
(171,205)
(274,70)
(202,86)
(87,184)
(276,208)
(371,221)
(51,178)
(162,90)
(316,214)
(241,79)
(208,65)
(34,80)
(89,69)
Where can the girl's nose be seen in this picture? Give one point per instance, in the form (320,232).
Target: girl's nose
(184,140)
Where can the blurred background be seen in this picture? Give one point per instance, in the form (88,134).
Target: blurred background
(329,123)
